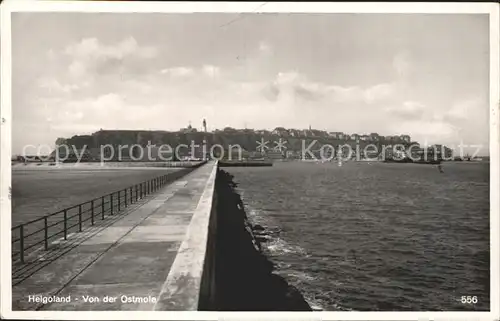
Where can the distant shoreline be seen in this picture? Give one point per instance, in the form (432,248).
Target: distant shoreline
(98,165)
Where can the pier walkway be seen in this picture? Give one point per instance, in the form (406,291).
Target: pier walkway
(125,265)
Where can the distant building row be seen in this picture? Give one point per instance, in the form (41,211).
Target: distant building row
(283,132)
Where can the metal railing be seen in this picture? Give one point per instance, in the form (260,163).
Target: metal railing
(29,237)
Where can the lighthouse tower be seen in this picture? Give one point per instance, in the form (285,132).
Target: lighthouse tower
(206,155)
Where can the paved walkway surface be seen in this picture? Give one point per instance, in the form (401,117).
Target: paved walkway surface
(123,266)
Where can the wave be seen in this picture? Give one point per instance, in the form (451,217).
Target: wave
(324,301)
(278,246)
(316,305)
(279,251)
(275,245)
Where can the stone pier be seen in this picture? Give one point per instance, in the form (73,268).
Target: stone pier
(152,258)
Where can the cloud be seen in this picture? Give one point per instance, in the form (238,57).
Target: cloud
(465,115)
(52,85)
(137,86)
(408,110)
(379,92)
(287,78)
(205,71)
(301,87)
(307,93)
(463,110)
(105,111)
(91,48)
(211,71)
(91,57)
(153,101)
(178,71)
(449,126)
(424,123)
(90,68)
(270,92)
(426,131)
(368,95)
(77,69)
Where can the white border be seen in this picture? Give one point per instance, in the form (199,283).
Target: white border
(9,6)
(249,7)
(494,162)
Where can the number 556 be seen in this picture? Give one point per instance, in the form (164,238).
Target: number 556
(469,299)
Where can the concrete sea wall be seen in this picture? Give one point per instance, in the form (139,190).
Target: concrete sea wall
(190,284)
(220,265)
(244,276)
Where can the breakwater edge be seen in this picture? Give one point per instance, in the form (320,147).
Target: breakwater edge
(245,277)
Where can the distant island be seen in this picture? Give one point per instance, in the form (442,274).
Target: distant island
(249,140)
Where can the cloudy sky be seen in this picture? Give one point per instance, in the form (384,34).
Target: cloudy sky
(424,75)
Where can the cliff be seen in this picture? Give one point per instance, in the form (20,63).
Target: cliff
(244,276)
(247,139)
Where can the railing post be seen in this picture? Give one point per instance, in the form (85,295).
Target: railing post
(21,242)
(131,195)
(136,193)
(111,203)
(102,207)
(92,212)
(65,224)
(46,233)
(125,190)
(119,200)
(80,218)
